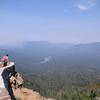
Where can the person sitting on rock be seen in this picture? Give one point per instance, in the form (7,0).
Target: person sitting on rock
(5,60)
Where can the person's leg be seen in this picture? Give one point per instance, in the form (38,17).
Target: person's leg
(10,91)
(5,76)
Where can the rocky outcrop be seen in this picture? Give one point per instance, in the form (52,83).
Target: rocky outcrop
(4,94)
(28,94)
(19,93)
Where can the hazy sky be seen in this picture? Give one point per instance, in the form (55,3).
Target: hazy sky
(75,21)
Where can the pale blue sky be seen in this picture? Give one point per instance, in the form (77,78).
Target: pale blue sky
(70,21)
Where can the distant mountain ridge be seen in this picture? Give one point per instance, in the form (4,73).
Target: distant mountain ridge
(32,53)
(54,70)
(65,53)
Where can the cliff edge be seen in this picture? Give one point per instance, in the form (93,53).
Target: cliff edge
(19,93)
(28,94)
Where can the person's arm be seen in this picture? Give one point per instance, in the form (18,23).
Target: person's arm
(11,64)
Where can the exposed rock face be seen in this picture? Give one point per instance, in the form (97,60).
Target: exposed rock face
(28,94)
(4,94)
(20,94)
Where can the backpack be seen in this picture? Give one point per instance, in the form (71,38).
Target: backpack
(16,81)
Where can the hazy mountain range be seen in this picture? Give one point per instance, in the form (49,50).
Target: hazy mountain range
(55,56)
(58,70)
